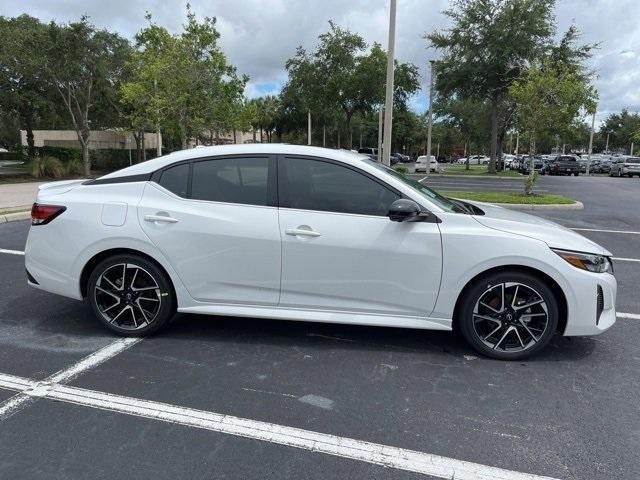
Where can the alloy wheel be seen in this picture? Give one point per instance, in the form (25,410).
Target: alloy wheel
(127,296)
(510,317)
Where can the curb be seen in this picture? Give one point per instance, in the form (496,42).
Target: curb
(553,206)
(15,216)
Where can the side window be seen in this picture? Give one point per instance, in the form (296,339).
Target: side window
(232,180)
(316,185)
(175,179)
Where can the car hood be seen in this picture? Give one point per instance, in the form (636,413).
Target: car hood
(553,234)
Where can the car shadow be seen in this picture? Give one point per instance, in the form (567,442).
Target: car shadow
(352,337)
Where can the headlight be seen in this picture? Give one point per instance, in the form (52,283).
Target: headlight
(586,261)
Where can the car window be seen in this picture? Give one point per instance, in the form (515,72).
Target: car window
(633,160)
(176,179)
(309,184)
(231,180)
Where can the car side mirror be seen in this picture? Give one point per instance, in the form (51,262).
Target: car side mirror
(404,210)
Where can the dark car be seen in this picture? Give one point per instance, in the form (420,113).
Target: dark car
(563,165)
(524,165)
(372,153)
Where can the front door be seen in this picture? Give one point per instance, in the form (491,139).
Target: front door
(341,252)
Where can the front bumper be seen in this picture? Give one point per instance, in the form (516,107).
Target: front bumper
(585,317)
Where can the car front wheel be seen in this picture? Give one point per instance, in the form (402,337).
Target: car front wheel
(130,295)
(508,315)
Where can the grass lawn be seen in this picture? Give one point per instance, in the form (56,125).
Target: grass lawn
(477,170)
(510,197)
(4,211)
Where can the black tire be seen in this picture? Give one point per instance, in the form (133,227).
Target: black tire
(146,296)
(469,323)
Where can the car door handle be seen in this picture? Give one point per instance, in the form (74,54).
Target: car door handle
(160,218)
(302,231)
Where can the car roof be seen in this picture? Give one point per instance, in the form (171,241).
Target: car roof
(154,164)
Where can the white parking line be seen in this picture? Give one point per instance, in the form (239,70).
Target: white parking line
(10,405)
(375,453)
(631,316)
(12,252)
(630,232)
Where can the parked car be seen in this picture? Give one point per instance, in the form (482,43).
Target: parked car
(372,153)
(422,161)
(344,240)
(563,165)
(538,165)
(628,167)
(475,160)
(403,158)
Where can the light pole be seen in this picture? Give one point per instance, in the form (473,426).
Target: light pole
(606,148)
(517,142)
(380,113)
(429,128)
(308,127)
(593,122)
(388,110)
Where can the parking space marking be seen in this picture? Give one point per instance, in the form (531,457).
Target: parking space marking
(375,453)
(631,316)
(629,232)
(11,252)
(39,389)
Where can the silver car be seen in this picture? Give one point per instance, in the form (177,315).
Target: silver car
(628,167)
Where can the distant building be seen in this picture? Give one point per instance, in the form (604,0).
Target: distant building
(98,140)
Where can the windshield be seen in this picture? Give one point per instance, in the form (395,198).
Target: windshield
(443,202)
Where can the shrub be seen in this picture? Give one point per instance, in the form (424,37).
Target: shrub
(401,169)
(74,167)
(46,167)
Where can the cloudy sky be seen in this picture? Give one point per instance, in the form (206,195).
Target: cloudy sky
(259,35)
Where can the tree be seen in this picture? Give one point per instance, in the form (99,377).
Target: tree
(343,76)
(469,116)
(24,91)
(82,64)
(182,83)
(623,128)
(549,101)
(489,46)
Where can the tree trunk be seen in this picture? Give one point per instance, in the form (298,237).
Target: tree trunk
(324,135)
(86,161)
(144,147)
(261,140)
(31,149)
(234,136)
(531,178)
(136,137)
(468,152)
(494,134)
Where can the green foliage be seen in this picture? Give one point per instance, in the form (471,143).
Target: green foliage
(73,167)
(342,78)
(549,101)
(401,169)
(49,167)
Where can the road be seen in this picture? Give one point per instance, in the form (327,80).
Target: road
(570,413)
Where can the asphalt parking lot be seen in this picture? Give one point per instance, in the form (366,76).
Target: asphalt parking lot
(571,412)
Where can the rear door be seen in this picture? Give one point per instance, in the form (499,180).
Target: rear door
(341,252)
(216,221)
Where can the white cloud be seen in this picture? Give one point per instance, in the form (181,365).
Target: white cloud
(258,36)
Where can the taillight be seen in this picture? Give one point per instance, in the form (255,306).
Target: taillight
(43,214)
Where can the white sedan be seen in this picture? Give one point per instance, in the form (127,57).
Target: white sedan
(312,234)
(423,162)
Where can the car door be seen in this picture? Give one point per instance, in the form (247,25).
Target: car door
(216,221)
(340,251)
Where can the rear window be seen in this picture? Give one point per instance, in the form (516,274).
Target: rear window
(231,180)
(566,159)
(633,160)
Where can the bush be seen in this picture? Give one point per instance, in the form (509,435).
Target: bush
(61,153)
(46,167)
(74,167)
(401,169)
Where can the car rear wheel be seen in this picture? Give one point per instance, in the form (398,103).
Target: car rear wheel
(508,315)
(130,295)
